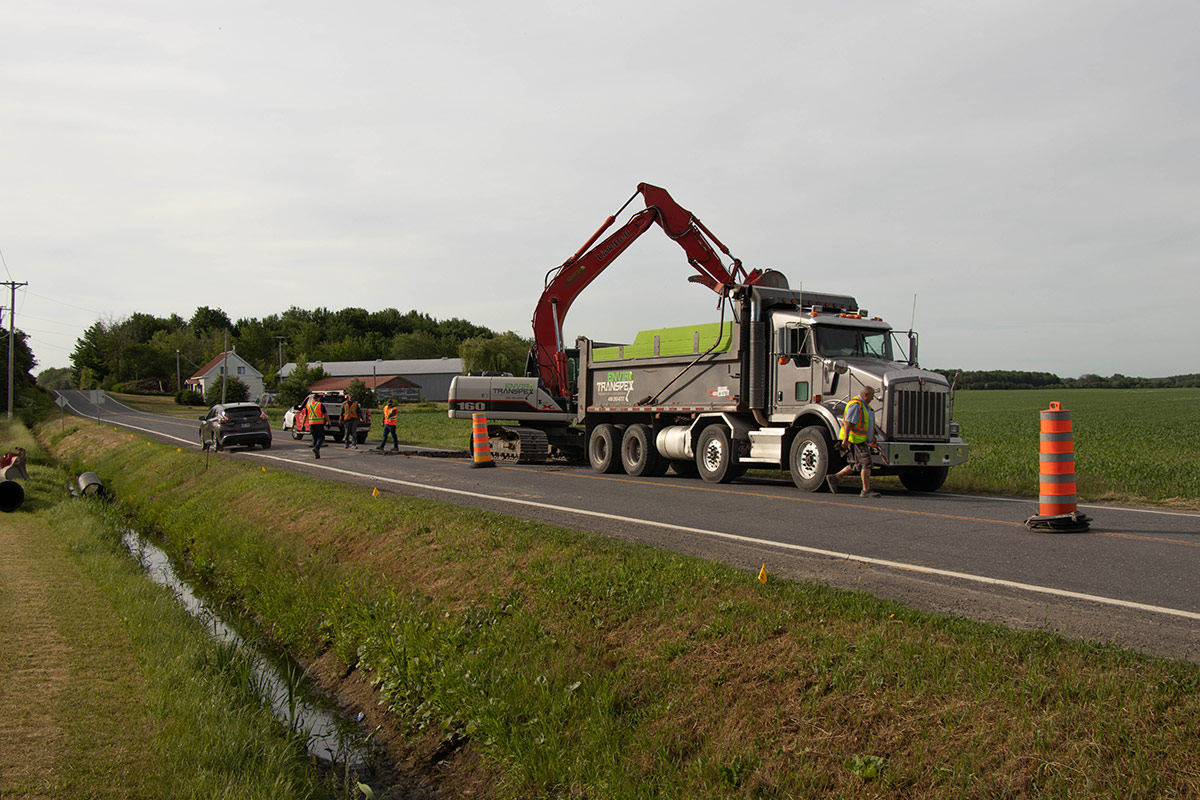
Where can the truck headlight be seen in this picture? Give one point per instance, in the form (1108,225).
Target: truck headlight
(954,429)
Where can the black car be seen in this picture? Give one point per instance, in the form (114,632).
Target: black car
(235,425)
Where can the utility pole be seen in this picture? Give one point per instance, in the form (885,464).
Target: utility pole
(12,322)
(178,385)
(225,367)
(281,340)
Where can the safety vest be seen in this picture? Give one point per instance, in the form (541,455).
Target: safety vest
(316,412)
(350,410)
(390,415)
(855,432)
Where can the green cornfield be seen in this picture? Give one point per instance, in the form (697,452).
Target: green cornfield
(1131,445)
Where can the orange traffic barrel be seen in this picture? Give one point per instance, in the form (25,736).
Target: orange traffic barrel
(1056,459)
(481,448)
(1057,498)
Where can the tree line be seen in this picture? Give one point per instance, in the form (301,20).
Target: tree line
(146,353)
(1016,379)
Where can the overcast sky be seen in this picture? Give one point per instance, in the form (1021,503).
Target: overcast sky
(1030,171)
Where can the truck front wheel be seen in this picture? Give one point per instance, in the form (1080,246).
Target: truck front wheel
(604,448)
(923,479)
(297,435)
(715,458)
(809,459)
(639,456)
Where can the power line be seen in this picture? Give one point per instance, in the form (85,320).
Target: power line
(60,302)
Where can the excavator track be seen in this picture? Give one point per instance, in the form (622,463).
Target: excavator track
(518,445)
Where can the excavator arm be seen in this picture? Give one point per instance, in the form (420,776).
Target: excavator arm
(548,358)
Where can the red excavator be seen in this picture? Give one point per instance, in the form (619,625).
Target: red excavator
(543,401)
(548,358)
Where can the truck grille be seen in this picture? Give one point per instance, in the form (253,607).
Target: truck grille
(919,412)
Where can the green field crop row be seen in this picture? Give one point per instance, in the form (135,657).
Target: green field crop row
(1130,444)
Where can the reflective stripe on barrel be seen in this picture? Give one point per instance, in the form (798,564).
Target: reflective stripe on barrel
(1056,491)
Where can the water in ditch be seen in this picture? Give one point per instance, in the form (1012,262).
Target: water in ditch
(328,737)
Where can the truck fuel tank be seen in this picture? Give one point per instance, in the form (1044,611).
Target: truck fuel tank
(675,443)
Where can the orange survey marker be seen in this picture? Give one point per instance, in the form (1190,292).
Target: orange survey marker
(481,448)
(1057,498)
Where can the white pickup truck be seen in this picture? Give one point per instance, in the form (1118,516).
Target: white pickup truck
(295,419)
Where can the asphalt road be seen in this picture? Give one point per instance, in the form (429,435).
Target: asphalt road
(1131,580)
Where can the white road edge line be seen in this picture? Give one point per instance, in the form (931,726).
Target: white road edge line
(877,562)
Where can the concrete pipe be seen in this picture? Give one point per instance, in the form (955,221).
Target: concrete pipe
(11,496)
(90,485)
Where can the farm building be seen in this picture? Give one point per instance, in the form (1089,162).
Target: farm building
(386,387)
(430,376)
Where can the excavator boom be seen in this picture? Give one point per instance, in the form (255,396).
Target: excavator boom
(548,358)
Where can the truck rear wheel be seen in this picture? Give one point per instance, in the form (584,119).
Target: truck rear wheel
(362,437)
(604,448)
(810,459)
(923,479)
(639,456)
(715,458)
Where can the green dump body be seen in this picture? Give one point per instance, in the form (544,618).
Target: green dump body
(690,340)
(664,369)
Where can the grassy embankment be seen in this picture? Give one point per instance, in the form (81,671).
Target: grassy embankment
(578,666)
(1122,455)
(108,687)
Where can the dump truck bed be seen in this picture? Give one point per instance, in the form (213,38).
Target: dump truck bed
(686,369)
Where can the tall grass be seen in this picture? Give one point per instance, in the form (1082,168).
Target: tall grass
(148,705)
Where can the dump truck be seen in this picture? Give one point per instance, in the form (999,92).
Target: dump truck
(764,388)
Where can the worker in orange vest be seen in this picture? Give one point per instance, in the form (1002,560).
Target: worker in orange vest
(351,413)
(316,422)
(391,416)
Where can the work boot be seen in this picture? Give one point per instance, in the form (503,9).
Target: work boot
(869,493)
(316,453)
(831,482)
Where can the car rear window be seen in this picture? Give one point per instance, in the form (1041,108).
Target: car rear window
(243,412)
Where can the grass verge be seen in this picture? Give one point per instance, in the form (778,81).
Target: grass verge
(578,666)
(108,687)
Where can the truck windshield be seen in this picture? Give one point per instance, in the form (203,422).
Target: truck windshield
(853,342)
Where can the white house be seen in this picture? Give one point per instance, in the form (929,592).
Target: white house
(238,368)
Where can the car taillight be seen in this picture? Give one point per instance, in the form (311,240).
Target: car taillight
(222,419)
(262,415)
